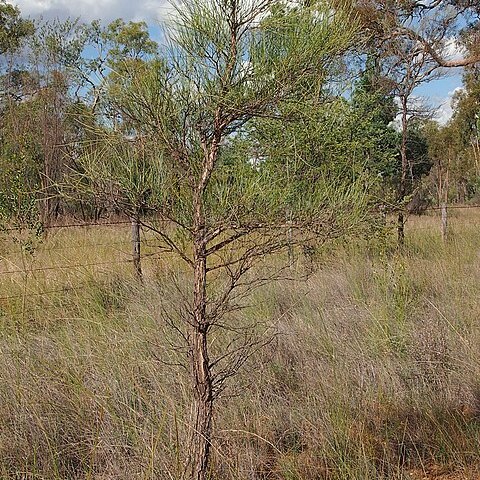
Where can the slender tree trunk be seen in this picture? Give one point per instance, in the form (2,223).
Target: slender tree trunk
(202,407)
(201,424)
(402,188)
(401,229)
(476,155)
(201,372)
(136,246)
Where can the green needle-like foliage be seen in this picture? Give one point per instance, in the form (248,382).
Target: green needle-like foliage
(226,64)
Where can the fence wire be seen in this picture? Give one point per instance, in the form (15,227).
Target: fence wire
(144,241)
(41,294)
(68,225)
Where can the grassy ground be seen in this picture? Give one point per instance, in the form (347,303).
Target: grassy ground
(374,372)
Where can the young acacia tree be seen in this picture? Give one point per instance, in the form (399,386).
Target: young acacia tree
(229,62)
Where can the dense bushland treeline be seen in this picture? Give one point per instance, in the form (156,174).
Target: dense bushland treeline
(251,129)
(63,81)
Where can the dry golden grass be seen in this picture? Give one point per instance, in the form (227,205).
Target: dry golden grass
(374,372)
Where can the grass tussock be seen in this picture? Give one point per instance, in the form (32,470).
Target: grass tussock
(373,371)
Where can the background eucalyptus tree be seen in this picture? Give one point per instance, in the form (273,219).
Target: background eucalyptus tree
(411,40)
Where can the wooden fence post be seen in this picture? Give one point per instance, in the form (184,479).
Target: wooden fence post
(444,221)
(136,247)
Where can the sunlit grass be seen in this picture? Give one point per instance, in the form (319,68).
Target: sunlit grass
(373,371)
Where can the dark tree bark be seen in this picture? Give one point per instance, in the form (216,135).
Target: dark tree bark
(201,368)
(202,406)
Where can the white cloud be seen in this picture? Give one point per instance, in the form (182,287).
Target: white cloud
(417,106)
(445,111)
(442,107)
(149,10)
(453,50)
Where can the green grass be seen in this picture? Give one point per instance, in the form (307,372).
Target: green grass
(374,371)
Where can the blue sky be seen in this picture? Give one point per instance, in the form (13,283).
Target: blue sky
(438,93)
